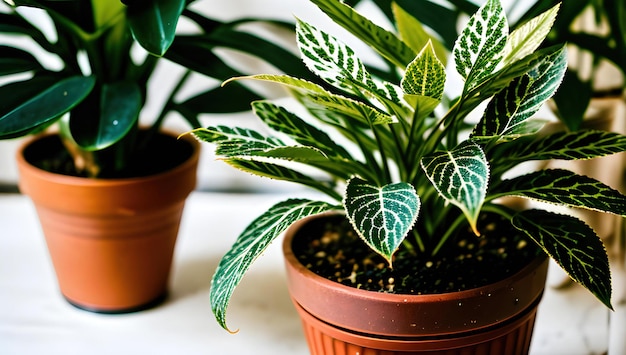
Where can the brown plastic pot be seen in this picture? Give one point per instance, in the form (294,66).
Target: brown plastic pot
(111,241)
(341,320)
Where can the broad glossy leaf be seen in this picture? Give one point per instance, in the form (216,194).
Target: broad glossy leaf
(425,75)
(153,23)
(573,245)
(119,105)
(15,60)
(382,216)
(414,35)
(461,176)
(528,37)
(38,101)
(479,48)
(281,120)
(384,42)
(565,188)
(251,244)
(508,112)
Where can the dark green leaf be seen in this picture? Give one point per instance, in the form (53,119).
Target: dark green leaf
(14,60)
(573,245)
(119,105)
(38,101)
(224,99)
(153,23)
(565,188)
(252,243)
(572,100)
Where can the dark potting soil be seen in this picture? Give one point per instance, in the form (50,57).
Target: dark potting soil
(333,250)
(163,152)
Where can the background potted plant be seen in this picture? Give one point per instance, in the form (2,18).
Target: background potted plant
(416,183)
(109,51)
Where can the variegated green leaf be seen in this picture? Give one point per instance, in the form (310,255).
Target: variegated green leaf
(585,144)
(528,37)
(461,176)
(382,216)
(384,42)
(425,75)
(565,188)
(281,120)
(351,108)
(508,112)
(252,243)
(479,48)
(286,80)
(573,245)
(414,35)
(237,141)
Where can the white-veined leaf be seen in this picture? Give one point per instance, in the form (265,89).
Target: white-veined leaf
(478,50)
(252,243)
(425,75)
(461,176)
(382,216)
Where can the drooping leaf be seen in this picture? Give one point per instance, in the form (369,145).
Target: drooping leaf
(384,42)
(286,80)
(252,243)
(508,112)
(281,120)
(382,216)
(573,245)
(461,176)
(35,102)
(527,38)
(119,105)
(414,35)
(153,23)
(565,188)
(479,48)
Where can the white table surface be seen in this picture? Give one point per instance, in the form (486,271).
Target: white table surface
(34,318)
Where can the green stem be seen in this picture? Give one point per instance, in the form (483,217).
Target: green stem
(451,229)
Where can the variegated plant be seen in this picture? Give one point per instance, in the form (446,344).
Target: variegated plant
(399,159)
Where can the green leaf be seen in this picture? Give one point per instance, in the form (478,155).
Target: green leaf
(573,245)
(350,108)
(119,105)
(153,23)
(252,243)
(414,35)
(382,216)
(584,144)
(425,75)
(219,100)
(564,187)
(286,80)
(479,48)
(38,101)
(384,42)
(281,120)
(572,100)
(461,176)
(15,60)
(528,37)
(237,141)
(508,112)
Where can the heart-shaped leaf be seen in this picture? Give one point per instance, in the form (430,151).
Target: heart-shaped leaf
(382,216)
(573,245)
(461,176)
(153,23)
(425,75)
(252,243)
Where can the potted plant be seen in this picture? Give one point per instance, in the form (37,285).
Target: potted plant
(416,246)
(110,190)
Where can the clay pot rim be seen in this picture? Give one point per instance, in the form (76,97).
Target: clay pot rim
(70,180)
(394,297)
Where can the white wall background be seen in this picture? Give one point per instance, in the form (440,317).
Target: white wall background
(215,175)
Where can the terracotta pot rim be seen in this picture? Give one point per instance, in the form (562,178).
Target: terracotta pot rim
(70,180)
(395,297)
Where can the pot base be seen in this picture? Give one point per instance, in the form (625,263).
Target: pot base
(326,339)
(148,305)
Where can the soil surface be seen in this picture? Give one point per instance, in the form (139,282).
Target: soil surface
(333,250)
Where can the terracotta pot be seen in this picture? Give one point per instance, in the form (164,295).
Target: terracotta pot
(338,319)
(111,241)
